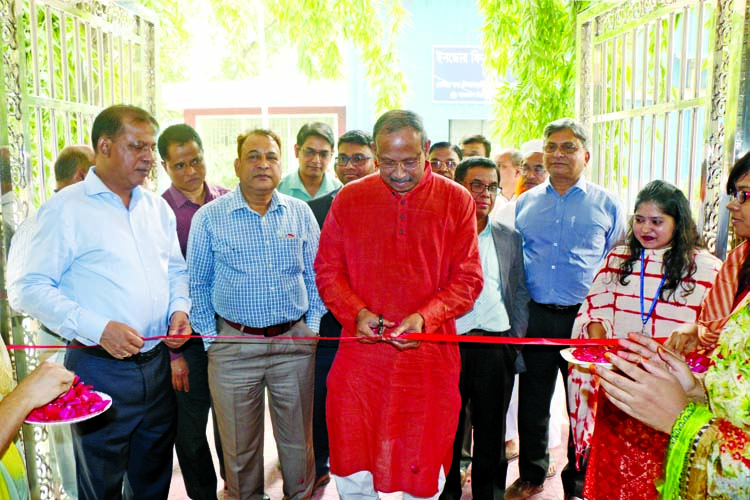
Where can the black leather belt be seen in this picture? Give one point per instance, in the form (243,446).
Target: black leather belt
(485,333)
(100,352)
(268,331)
(558,308)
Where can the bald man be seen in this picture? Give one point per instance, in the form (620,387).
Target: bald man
(72,164)
(508,162)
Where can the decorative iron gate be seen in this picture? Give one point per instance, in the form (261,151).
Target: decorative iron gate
(62,62)
(661,90)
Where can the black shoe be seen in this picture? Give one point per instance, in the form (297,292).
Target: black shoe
(320,481)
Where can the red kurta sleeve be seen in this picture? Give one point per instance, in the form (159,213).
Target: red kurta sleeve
(332,275)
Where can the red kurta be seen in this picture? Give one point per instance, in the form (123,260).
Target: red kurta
(389,412)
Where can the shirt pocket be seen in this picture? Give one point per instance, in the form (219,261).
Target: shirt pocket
(228,255)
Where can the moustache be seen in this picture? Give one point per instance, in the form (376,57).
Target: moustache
(406,178)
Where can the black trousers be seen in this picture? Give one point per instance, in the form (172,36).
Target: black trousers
(191,443)
(126,452)
(487,376)
(535,390)
(324,357)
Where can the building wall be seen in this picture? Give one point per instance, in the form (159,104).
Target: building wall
(433,22)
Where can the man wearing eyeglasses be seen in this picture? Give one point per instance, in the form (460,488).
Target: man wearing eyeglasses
(568,225)
(488,370)
(250,257)
(398,255)
(314,150)
(355,160)
(444,158)
(181,151)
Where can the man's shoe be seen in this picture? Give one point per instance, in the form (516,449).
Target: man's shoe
(521,490)
(321,481)
(511,450)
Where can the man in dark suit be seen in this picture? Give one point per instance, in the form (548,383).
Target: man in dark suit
(355,160)
(487,370)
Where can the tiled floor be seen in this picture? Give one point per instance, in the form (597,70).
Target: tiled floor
(552,487)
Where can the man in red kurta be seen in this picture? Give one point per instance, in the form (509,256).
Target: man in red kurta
(398,254)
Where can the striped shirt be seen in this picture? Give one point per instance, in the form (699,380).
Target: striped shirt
(253,269)
(618,307)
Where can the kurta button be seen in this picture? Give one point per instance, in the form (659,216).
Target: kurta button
(403,217)
(403,202)
(401,231)
(414,468)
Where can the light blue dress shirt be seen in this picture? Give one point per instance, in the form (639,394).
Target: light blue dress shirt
(291,185)
(95,261)
(251,269)
(566,238)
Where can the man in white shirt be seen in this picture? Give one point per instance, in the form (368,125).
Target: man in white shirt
(487,370)
(531,173)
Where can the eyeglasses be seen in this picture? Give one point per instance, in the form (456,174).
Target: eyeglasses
(566,148)
(438,164)
(536,170)
(324,154)
(741,196)
(477,187)
(357,160)
(408,164)
(254,158)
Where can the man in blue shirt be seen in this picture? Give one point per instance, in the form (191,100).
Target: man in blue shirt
(568,226)
(110,277)
(314,151)
(250,255)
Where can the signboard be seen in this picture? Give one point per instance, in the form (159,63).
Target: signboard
(458,75)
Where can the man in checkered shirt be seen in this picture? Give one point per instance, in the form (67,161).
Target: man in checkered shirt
(250,256)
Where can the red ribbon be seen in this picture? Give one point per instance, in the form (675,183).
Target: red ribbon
(429,337)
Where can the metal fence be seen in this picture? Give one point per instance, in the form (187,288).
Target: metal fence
(658,88)
(62,62)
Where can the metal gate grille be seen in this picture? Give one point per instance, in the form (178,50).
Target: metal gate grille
(62,62)
(657,81)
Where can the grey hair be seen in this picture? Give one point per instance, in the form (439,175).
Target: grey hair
(567,124)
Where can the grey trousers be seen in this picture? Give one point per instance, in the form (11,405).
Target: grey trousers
(239,372)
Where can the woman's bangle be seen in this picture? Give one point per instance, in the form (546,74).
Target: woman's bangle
(688,424)
(682,419)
